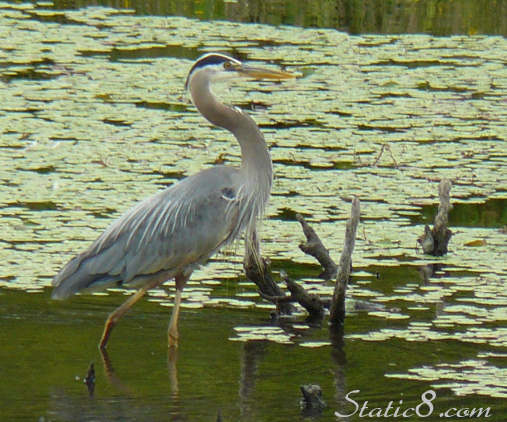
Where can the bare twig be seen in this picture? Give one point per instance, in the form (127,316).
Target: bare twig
(316,248)
(337,312)
(382,149)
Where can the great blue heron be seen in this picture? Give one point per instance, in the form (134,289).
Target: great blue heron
(171,233)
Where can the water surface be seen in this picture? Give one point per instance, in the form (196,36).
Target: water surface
(94,117)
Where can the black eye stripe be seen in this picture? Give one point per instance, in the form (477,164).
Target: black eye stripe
(211,59)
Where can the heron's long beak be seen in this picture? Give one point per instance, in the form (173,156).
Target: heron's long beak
(260,73)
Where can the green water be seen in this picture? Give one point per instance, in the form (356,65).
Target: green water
(94,117)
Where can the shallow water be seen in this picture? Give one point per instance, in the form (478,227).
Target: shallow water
(94,117)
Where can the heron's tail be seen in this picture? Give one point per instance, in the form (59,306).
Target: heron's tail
(76,277)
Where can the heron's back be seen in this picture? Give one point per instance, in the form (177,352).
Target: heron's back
(173,231)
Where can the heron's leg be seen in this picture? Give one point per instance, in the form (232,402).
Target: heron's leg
(114,316)
(181,280)
(172,369)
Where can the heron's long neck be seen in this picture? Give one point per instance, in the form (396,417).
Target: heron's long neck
(255,159)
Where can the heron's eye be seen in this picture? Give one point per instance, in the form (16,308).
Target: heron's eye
(228,194)
(227,65)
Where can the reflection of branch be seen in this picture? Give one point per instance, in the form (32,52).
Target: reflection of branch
(252,355)
(337,313)
(340,361)
(315,248)
(435,241)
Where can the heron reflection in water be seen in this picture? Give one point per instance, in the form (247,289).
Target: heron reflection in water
(173,232)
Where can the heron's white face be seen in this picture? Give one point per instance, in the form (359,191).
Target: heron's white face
(215,67)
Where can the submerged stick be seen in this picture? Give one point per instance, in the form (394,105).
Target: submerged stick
(316,248)
(337,312)
(435,241)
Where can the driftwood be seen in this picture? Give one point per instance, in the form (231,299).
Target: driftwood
(435,241)
(315,248)
(257,269)
(337,312)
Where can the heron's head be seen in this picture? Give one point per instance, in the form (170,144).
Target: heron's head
(218,67)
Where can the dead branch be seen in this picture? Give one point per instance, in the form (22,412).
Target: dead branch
(337,312)
(316,248)
(313,304)
(310,302)
(435,241)
(382,149)
(257,270)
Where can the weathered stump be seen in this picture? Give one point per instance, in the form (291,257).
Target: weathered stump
(435,241)
(312,402)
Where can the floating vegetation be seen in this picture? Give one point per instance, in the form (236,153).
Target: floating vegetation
(94,117)
(274,334)
(474,376)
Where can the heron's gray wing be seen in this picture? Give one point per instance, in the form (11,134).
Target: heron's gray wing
(175,229)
